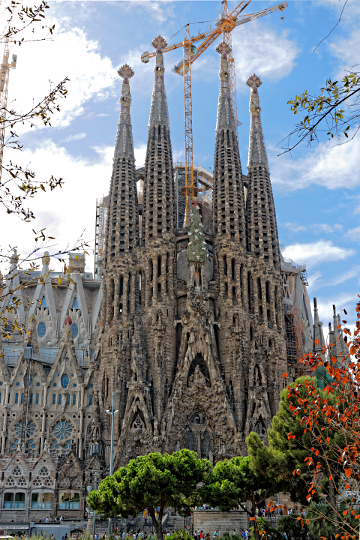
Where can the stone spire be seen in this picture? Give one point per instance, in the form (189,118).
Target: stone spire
(228,189)
(159,110)
(318,330)
(257,150)
(122,225)
(158,206)
(262,235)
(124,146)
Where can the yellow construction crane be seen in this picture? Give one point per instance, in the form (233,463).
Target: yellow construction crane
(4,87)
(225,25)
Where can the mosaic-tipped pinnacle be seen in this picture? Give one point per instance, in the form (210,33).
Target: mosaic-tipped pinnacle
(254,81)
(223,48)
(159,43)
(126,72)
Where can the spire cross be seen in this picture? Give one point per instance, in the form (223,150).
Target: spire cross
(223,49)
(254,82)
(159,43)
(126,72)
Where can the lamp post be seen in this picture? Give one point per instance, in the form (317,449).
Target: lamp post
(95,486)
(112,411)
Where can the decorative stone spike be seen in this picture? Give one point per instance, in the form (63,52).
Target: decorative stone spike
(123,228)
(257,149)
(262,235)
(228,188)
(158,205)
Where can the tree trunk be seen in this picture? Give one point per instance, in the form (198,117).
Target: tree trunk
(253,511)
(157,523)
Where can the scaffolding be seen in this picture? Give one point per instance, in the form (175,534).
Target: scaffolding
(102,208)
(203,180)
(294,337)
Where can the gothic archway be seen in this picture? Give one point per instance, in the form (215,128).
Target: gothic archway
(198,370)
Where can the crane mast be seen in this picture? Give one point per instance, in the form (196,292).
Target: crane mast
(189,190)
(224,26)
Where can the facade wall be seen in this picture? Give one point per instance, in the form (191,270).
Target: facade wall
(186,327)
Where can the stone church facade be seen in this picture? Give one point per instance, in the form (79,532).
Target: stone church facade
(186,326)
(195,352)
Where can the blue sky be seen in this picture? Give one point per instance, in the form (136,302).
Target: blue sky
(316,189)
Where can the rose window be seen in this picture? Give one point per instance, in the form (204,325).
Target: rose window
(62,433)
(28,431)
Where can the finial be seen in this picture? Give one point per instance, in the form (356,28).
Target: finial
(159,43)
(126,72)
(223,49)
(254,81)
(46,259)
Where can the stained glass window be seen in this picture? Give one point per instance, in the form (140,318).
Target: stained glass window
(75,304)
(62,433)
(65,381)
(43,302)
(41,329)
(75,330)
(30,446)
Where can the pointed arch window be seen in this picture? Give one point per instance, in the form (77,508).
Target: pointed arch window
(41,329)
(75,330)
(75,304)
(43,302)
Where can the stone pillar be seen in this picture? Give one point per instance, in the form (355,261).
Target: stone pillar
(116,299)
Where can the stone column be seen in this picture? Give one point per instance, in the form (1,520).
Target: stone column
(116,299)
(6,406)
(163,274)
(125,294)
(155,278)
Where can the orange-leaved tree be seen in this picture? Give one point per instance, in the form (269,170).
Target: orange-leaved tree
(331,418)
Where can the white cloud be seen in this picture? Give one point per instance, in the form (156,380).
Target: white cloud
(43,65)
(315,281)
(65,212)
(326,228)
(350,274)
(76,137)
(341,301)
(294,227)
(325,165)
(316,252)
(346,51)
(261,50)
(354,234)
(140,154)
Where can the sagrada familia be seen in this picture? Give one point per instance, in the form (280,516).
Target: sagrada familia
(188,326)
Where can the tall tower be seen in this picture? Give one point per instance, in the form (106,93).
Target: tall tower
(229,241)
(262,236)
(119,284)
(158,240)
(264,279)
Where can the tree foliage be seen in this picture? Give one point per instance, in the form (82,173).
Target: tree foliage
(253,478)
(335,111)
(150,482)
(329,433)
